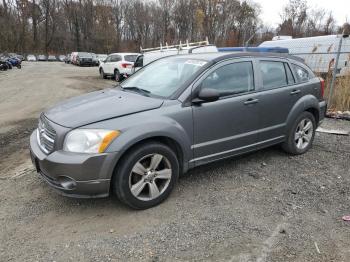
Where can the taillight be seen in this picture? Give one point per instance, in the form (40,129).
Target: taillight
(322,87)
(124,65)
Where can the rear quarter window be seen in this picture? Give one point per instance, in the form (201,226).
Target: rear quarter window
(301,73)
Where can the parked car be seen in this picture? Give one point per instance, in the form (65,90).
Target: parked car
(31,58)
(101,58)
(73,58)
(67,60)
(118,66)
(14,55)
(84,59)
(52,58)
(42,58)
(176,113)
(62,58)
(94,59)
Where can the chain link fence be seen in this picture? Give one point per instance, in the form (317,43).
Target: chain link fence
(329,57)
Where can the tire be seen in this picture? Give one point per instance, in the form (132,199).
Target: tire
(140,159)
(19,66)
(301,135)
(102,74)
(117,77)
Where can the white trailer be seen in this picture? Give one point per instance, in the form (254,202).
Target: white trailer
(319,52)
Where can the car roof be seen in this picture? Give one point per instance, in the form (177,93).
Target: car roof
(216,57)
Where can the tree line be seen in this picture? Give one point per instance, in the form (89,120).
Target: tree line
(104,26)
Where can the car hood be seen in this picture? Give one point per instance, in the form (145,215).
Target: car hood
(98,106)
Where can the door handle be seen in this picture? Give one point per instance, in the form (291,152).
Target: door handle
(294,92)
(251,101)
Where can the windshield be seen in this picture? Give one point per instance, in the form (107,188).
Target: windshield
(130,58)
(86,55)
(165,76)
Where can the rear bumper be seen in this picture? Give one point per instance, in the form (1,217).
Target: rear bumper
(82,63)
(74,175)
(323,111)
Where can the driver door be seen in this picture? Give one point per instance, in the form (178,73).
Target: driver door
(229,125)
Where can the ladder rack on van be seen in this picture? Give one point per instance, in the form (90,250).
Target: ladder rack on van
(179,46)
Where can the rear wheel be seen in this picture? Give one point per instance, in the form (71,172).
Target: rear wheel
(117,76)
(301,135)
(146,176)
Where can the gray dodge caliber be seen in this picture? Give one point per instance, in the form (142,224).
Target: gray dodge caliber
(175,114)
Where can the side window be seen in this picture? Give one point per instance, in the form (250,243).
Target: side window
(290,77)
(273,74)
(108,59)
(231,79)
(301,73)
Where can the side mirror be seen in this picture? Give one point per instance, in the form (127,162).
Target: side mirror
(207,95)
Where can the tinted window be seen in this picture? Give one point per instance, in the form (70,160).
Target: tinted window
(231,79)
(108,59)
(115,58)
(273,74)
(130,58)
(290,77)
(301,73)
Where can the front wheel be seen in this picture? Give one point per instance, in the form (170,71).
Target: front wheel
(102,74)
(146,176)
(301,135)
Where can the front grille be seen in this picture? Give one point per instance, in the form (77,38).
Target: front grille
(46,135)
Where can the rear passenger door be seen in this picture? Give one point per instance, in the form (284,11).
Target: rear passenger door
(278,94)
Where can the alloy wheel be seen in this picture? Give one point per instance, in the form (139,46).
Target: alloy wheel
(150,177)
(303,133)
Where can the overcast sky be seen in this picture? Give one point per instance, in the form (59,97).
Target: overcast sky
(271,9)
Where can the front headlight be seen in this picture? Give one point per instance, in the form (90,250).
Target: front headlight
(89,140)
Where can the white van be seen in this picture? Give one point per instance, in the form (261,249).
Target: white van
(319,52)
(152,54)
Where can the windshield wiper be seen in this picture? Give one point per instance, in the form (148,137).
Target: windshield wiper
(136,89)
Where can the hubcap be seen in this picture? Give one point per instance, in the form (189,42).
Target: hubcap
(303,133)
(150,177)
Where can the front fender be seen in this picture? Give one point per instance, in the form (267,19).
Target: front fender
(161,127)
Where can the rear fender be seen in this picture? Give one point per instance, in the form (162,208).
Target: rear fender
(304,103)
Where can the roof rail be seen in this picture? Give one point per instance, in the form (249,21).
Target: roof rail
(179,46)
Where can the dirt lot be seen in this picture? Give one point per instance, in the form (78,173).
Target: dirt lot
(265,206)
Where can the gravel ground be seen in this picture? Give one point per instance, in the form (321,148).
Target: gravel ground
(264,206)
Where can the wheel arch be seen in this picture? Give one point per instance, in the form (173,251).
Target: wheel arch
(307,103)
(166,140)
